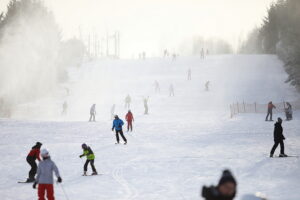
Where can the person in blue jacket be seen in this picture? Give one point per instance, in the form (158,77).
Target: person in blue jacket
(117,125)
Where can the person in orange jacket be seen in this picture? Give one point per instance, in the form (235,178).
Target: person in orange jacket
(270,110)
(31,157)
(129,118)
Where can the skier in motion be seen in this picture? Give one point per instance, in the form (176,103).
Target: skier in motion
(117,125)
(171,91)
(278,138)
(129,118)
(270,110)
(225,190)
(31,157)
(156,86)
(207,86)
(189,74)
(92,113)
(45,176)
(146,105)
(127,101)
(90,158)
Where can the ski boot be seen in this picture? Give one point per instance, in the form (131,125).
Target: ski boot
(282,155)
(30,180)
(94,173)
(271,155)
(125,143)
(84,173)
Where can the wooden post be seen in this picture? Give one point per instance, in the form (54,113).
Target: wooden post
(238,109)
(255,106)
(244,106)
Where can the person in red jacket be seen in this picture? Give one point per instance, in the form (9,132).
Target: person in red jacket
(31,157)
(129,118)
(270,110)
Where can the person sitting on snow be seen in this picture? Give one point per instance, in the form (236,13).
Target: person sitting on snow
(90,158)
(45,176)
(225,190)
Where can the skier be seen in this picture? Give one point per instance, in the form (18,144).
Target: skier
(45,176)
(112,111)
(207,85)
(157,88)
(92,113)
(278,138)
(31,157)
(225,190)
(146,105)
(171,90)
(202,53)
(117,125)
(127,101)
(189,74)
(270,110)
(129,118)
(90,158)
(288,111)
(65,107)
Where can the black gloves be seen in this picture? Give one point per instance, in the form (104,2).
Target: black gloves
(80,156)
(34,185)
(59,179)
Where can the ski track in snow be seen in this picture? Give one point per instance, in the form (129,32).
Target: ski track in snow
(182,144)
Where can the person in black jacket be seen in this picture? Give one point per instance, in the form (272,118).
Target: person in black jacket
(278,138)
(225,190)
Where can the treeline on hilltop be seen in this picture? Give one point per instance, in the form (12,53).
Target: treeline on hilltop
(33,56)
(279,34)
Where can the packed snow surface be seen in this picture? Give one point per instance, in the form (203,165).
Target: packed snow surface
(184,143)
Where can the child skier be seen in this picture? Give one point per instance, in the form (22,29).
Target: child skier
(90,158)
(117,125)
(129,118)
(45,176)
(31,157)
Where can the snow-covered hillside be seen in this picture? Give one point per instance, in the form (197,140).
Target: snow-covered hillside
(183,143)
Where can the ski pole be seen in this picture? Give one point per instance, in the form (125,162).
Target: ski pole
(65,194)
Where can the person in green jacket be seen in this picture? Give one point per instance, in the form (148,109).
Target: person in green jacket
(90,157)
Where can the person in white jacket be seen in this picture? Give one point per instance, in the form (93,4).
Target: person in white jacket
(45,176)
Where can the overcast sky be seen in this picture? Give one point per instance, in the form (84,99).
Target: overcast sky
(152,25)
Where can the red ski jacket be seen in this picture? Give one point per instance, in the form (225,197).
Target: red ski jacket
(129,117)
(35,153)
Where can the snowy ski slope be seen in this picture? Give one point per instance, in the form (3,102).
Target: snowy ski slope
(181,145)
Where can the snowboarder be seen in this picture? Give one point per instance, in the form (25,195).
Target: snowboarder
(226,188)
(112,111)
(207,86)
(129,118)
(171,90)
(65,107)
(127,101)
(189,74)
(270,110)
(288,111)
(157,88)
(45,176)
(92,113)
(31,157)
(117,125)
(90,158)
(278,138)
(146,105)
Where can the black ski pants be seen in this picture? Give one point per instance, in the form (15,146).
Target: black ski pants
(122,135)
(269,113)
(92,165)
(276,145)
(31,162)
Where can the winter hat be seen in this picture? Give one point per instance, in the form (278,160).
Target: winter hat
(84,146)
(227,177)
(279,119)
(116,116)
(38,144)
(44,153)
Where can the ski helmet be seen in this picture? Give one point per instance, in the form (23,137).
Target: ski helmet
(45,153)
(84,146)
